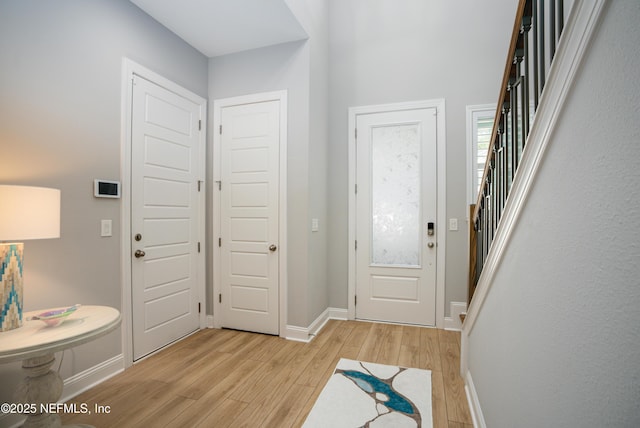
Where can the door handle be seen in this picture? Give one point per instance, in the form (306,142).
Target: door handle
(139,253)
(272,248)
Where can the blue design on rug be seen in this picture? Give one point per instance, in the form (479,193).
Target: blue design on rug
(383,393)
(366,395)
(372,384)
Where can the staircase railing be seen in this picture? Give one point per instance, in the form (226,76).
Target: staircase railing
(536,33)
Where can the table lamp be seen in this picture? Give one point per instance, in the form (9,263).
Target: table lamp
(25,213)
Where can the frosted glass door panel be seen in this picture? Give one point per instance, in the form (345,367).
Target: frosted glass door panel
(395,195)
(395,198)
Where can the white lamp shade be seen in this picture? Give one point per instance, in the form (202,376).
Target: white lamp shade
(29,213)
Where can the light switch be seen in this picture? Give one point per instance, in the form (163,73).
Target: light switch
(453,224)
(105,228)
(314,224)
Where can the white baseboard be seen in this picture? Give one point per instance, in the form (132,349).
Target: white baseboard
(89,378)
(75,385)
(209,321)
(474,403)
(318,324)
(338,314)
(306,334)
(453,322)
(298,334)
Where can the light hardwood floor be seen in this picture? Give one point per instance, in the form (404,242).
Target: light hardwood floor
(226,378)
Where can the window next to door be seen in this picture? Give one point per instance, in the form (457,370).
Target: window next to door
(479,126)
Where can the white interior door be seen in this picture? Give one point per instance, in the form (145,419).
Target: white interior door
(249,199)
(165,215)
(396,212)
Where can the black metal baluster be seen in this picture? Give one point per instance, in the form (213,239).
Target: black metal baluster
(481,254)
(494,193)
(552,30)
(498,154)
(489,211)
(561,15)
(526,26)
(536,91)
(503,157)
(484,224)
(479,260)
(542,46)
(489,220)
(522,134)
(506,106)
(514,128)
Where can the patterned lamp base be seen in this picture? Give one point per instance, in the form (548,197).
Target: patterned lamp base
(10,286)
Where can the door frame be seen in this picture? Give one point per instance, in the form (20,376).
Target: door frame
(218,105)
(129,70)
(441,197)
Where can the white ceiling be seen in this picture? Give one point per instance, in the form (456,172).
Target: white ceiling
(220,27)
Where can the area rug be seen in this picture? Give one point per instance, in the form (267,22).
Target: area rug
(360,394)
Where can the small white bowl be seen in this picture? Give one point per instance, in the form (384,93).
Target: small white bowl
(55,317)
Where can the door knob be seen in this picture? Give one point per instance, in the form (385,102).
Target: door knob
(430,245)
(139,253)
(272,248)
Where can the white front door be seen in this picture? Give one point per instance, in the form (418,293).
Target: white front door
(166,210)
(396,212)
(249,201)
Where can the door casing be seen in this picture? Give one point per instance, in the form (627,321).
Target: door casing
(439,105)
(129,69)
(218,105)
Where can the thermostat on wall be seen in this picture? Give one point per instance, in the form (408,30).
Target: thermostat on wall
(106,189)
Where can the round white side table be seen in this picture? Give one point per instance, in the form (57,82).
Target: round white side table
(35,345)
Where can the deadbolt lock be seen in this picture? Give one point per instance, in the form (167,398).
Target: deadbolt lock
(430,228)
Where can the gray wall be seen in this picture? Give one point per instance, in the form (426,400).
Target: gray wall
(60,107)
(557,342)
(384,51)
(314,17)
(301,69)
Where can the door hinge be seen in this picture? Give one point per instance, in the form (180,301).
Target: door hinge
(199,307)
(220,129)
(198,247)
(355,131)
(356,189)
(355,300)
(199,183)
(219,242)
(199,125)
(219,185)
(220,298)
(356,244)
